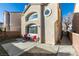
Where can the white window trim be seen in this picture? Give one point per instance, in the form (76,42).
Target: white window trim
(33,19)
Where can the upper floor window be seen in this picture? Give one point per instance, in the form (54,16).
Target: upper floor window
(32,16)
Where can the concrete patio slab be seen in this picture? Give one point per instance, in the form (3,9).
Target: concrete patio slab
(66,50)
(20,46)
(36,51)
(17,47)
(51,48)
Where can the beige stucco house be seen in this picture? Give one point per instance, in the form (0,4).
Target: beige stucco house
(44,20)
(12,21)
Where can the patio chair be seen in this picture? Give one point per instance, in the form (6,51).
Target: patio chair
(34,38)
(25,37)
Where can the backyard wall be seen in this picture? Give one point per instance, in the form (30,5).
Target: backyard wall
(74,37)
(9,34)
(75,23)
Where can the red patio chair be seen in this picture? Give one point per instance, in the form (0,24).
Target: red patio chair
(34,38)
(25,36)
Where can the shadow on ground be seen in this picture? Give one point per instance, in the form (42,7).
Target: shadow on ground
(35,51)
(64,41)
(63,54)
(3,52)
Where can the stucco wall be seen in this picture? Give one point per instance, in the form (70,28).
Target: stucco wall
(6,21)
(50,24)
(75,23)
(76,8)
(74,37)
(15,21)
(58,27)
(12,21)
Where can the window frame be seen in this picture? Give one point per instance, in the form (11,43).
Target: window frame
(34,27)
(30,16)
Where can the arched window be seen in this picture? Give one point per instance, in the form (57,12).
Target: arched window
(32,16)
(32,28)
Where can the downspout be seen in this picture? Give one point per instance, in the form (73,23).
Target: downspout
(42,24)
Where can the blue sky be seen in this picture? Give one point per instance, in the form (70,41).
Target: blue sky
(19,7)
(11,7)
(67,8)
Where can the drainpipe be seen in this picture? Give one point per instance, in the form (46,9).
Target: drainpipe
(42,24)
